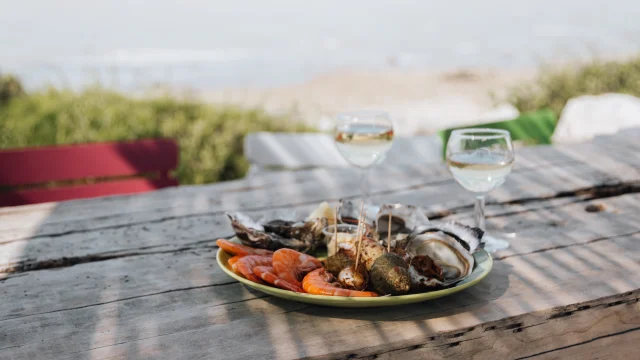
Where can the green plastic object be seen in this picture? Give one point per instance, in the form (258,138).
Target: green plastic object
(533,128)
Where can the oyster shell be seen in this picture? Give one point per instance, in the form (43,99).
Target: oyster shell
(277,234)
(445,250)
(469,237)
(404,220)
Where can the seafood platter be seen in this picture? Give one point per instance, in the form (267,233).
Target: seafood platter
(355,255)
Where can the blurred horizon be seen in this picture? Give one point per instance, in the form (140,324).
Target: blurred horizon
(131,45)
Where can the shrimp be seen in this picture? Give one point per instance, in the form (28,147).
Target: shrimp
(292,266)
(246,264)
(266,273)
(321,282)
(242,250)
(232,263)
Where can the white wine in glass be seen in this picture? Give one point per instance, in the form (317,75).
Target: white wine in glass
(480,160)
(363,139)
(480,171)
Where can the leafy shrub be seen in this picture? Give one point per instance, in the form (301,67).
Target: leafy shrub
(210,137)
(10,87)
(554,86)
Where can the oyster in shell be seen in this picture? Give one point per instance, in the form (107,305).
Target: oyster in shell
(449,246)
(425,273)
(276,234)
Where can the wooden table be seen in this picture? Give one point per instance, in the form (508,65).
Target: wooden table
(136,277)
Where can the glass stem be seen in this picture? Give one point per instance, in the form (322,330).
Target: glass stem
(364,185)
(479,211)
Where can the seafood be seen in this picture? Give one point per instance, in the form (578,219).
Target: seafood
(371,249)
(422,255)
(389,275)
(246,264)
(350,278)
(232,263)
(292,266)
(449,246)
(240,250)
(335,263)
(346,238)
(469,237)
(320,282)
(424,273)
(267,274)
(277,234)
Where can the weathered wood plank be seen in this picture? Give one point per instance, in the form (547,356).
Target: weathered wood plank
(521,293)
(583,333)
(190,232)
(154,289)
(621,345)
(136,279)
(130,234)
(45,219)
(537,231)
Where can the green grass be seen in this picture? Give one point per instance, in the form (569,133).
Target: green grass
(210,137)
(554,86)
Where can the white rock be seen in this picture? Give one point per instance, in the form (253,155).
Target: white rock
(585,117)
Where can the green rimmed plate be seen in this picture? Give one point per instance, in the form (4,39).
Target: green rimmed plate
(483,264)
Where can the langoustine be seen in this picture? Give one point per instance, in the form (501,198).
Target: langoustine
(240,250)
(246,264)
(267,274)
(232,263)
(292,266)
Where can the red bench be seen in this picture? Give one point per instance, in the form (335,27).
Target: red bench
(44,174)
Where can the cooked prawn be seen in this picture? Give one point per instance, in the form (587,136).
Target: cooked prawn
(321,282)
(292,266)
(246,264)
(232,263)
(238,249)
(267,274)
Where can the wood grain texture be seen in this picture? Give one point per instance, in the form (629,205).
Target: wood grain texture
(307,187)
(179,227)
(135,276)
(204,323)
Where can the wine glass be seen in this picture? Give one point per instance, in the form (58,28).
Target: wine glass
(363,139)
(480,160)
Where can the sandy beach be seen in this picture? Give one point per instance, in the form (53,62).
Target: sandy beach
(420,101)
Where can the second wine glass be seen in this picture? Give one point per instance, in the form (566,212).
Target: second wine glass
(480,160)
(363,139)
